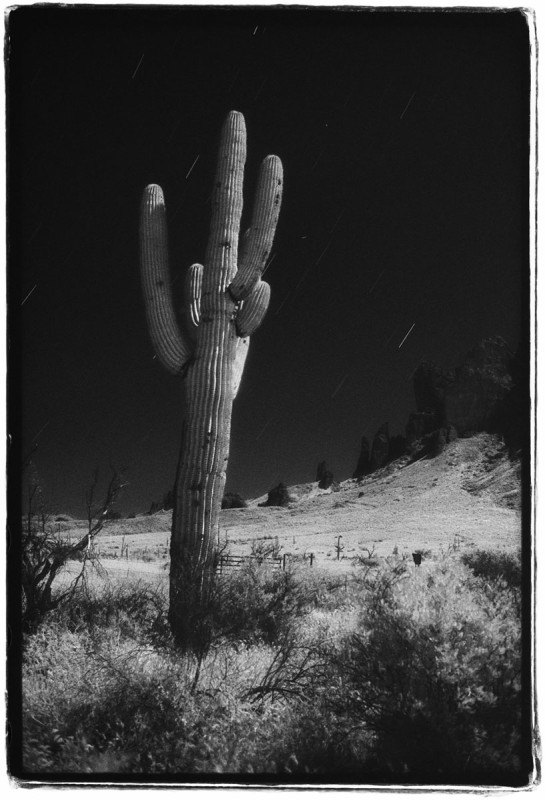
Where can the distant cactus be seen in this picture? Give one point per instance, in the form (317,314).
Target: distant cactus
(226,302)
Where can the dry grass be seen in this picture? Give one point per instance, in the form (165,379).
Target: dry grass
(359,679)
(463,496)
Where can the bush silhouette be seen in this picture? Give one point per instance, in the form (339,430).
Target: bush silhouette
(233,500)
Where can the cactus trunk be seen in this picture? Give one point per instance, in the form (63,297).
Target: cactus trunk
(227,303)
(201,481)
(204,460)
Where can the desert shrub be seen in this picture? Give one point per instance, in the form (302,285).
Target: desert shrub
(249,604)
(45,552)
(233,500)
(256,603)
(318,741)
(104,703)
(434,673)
(326,590)
(136,609)
(495,565)
(109,705)
(400,674)
(316,738)
(265,548)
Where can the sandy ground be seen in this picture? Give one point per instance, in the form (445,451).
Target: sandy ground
(467,497)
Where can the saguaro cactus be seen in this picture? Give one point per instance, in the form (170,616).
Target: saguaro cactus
(226,301)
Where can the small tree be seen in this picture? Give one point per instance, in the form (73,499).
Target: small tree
(45,552)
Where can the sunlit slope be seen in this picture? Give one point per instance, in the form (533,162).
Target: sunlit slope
(467,497)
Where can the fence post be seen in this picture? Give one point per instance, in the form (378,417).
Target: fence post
(284,562)
(311,558)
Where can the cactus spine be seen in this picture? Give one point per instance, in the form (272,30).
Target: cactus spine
(226,301)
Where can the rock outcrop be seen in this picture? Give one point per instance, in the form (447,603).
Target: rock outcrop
(397,447)
(480,384)
(430,384)
(278,496)
(324,476)
(489,392)
(485,393)
(364,461)
(385,448)
(511,415)
(381,447)
(420,424)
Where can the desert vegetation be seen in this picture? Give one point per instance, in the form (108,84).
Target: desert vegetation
(388,673)
(45,551)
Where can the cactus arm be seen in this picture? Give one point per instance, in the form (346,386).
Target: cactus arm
(192,292)
(171,347)
(258,241)
(240,359)
(253,309)
(222,248)
(244,240)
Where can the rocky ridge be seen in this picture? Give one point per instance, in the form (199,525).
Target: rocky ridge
(487,392)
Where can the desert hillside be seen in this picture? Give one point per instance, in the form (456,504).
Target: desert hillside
(466,497)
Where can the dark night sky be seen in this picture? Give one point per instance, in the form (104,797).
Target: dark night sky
(404,139)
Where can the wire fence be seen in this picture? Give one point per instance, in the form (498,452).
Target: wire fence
(125,569)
